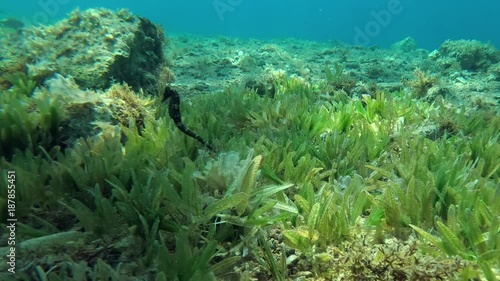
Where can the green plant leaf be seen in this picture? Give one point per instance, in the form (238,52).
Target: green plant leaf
(450,241)
(431,238)
(248,183)
(297,241)
(275,270)
(302,203)
(225,265)
(223,204)
(264,209)
(312,219)
(269,191)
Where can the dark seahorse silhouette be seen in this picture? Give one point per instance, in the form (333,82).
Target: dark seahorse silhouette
(174,111)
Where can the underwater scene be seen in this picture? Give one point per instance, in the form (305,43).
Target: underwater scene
(236,140)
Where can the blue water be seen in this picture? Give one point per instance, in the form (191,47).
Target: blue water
(362,22)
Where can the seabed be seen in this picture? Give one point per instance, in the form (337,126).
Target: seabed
(330,161)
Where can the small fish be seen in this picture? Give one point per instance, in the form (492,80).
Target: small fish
(11,23)
(174,111)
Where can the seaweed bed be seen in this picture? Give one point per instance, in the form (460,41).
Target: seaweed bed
(334,162)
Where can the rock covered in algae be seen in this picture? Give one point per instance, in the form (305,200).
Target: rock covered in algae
(89,112)
(470,55)
(95,47)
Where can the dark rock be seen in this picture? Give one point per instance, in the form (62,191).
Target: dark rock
(470,54)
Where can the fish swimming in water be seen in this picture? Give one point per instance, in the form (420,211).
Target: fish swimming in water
(174,111)
(11,23)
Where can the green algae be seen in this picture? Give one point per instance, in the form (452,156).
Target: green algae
(337,181)
(313,183)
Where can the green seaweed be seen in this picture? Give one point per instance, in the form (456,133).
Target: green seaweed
(21,83)
(322,172)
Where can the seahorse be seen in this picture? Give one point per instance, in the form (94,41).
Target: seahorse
(174,111)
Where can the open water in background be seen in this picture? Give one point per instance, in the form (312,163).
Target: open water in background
(361,22)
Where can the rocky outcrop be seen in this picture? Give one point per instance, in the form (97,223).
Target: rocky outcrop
(471,55)
(96,48)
